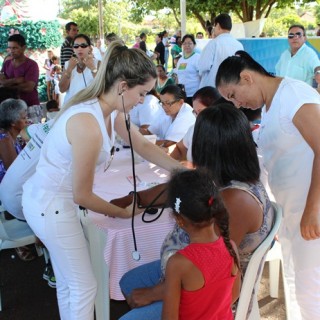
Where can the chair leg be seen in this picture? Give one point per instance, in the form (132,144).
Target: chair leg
(255,312)
(274,271)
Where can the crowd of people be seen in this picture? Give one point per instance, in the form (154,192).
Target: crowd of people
(221,208)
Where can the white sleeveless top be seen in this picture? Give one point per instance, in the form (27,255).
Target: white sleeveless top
(53,176)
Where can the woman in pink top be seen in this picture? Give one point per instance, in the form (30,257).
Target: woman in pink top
(203,279)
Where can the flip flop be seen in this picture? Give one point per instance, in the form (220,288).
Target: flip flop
(25,253)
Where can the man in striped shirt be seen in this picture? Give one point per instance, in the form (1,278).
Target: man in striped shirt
(66,50)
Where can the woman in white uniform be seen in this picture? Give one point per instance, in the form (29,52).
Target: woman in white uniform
(173,119)
(289,143)
(77,146)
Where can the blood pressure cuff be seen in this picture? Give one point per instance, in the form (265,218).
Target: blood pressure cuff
(155,197)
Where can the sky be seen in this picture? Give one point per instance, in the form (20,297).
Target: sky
(43,9)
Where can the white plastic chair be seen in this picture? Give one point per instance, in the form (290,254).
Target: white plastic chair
(251,280)
(97,240)
(14,234)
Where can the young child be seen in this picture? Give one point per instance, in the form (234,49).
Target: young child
(203,279)
(56,77)
(47,66)
(52,107)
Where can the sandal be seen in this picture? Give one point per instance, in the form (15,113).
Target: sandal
(25,253)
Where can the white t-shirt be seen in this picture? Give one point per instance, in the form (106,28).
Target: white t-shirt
(144,113)
(22,169)
(187,142)
(173,130)
(187,71)
(287,157)
(217,50)
(78,81)
(97,53)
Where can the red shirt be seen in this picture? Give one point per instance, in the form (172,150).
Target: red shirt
(213,300)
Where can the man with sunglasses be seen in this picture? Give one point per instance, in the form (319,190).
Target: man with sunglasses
(66,50)
(299,61)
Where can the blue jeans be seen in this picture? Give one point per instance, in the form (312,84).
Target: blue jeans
(147,275)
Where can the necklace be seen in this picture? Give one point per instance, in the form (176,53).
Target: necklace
(81,66)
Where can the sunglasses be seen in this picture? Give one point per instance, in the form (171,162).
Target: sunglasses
(295,35)
(82,45)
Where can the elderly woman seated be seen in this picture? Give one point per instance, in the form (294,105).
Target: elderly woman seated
(13,119)
(174,118)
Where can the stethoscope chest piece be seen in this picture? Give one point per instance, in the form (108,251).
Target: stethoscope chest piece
(136,255)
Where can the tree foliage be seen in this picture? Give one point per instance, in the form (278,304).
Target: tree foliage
(204,10)
(85,14)
(38,35)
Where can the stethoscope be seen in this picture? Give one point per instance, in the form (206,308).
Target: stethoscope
(149,209)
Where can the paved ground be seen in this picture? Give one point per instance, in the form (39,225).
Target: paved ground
(270,309)
(26,296)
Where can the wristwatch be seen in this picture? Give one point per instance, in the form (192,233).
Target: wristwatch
(95,70)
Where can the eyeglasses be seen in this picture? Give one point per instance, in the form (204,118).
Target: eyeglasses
(82,45)
(108,163)
(295,35)
(168,104)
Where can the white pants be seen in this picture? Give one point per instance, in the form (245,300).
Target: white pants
(302,270)
(59,228)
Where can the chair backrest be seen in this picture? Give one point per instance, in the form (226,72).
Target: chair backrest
(14,234)
(251,280)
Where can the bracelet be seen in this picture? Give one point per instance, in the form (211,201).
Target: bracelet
(67,74)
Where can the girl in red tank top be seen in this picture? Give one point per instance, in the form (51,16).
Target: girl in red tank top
(203,279)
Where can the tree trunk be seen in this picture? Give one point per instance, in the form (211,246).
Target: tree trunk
(176,16)
(200,18)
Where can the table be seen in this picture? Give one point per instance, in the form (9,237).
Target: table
(114,234)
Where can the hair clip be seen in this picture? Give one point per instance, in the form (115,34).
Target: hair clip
(177,205)
(210,201)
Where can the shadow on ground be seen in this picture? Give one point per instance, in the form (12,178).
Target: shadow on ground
(26,296)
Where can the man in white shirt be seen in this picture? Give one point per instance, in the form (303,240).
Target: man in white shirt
(221,47)
(299,61)
(98,50)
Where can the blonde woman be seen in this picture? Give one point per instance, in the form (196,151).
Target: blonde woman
(77,146)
